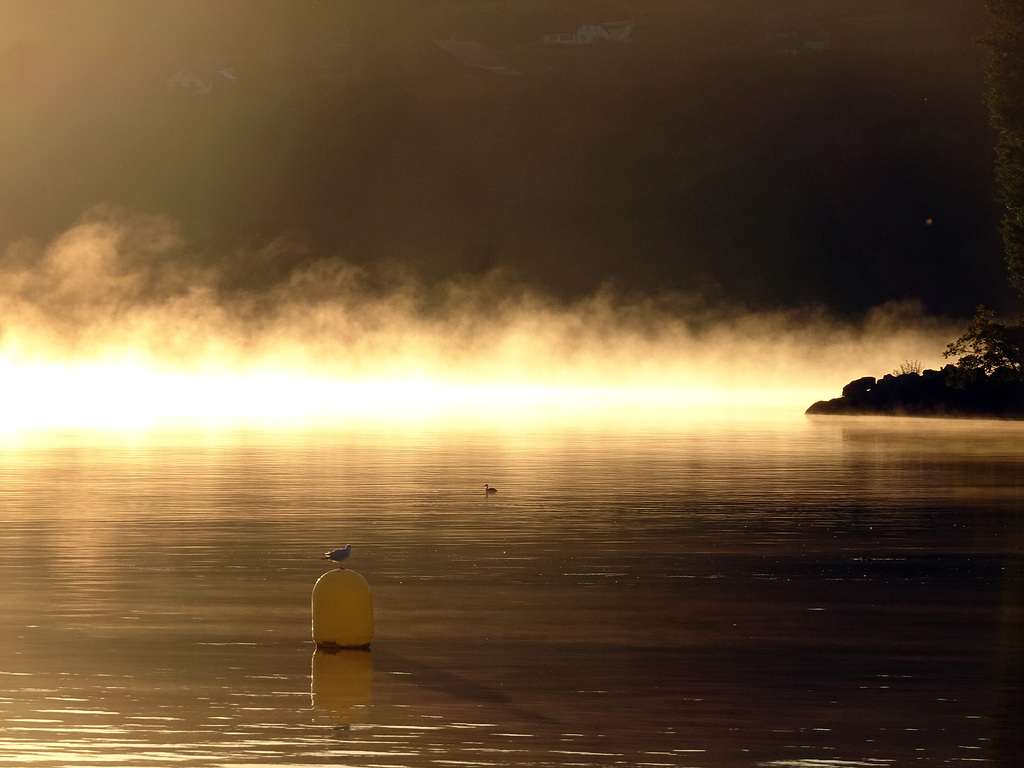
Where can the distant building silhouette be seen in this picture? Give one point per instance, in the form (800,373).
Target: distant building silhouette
(612,31)
(201,81)
(799,36)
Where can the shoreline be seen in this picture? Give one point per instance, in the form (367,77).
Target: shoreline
(927,394)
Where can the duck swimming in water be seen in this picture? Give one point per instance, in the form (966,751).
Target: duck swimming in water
(488,489)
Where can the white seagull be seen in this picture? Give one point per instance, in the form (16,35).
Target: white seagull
(339,555)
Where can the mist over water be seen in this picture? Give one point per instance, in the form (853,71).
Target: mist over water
(125,289)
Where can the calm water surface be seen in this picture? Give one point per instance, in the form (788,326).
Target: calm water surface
(814,593)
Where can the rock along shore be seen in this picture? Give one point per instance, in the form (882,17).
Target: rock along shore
(926,394)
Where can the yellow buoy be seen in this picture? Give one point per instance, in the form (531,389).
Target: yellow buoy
(342,610)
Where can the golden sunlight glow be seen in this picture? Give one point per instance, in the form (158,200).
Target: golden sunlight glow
(52,395)
(96,335)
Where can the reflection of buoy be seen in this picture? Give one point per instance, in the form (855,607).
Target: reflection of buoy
(342,682)
(342,610)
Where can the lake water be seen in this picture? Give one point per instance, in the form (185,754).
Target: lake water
(790,592)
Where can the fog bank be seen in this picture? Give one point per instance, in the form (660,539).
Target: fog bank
(121,289)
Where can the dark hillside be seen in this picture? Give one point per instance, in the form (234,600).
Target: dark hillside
(705,154)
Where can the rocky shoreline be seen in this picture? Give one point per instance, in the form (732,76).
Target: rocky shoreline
(926,394)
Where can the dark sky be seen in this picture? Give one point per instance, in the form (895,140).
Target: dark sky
(776,153)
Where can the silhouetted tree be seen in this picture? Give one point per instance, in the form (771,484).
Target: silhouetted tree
(1005,100)
(987,348)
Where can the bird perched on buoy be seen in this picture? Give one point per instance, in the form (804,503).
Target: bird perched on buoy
(339,555)
(488,489)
